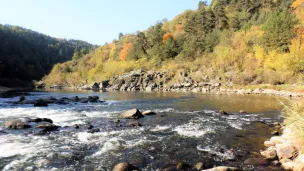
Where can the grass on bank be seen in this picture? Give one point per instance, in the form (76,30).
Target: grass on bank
(294,113)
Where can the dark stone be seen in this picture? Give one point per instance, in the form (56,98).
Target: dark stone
(22,98)
(256,161)
(93,130)
(40,103)
(90,127)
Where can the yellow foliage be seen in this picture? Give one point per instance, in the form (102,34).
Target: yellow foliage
(297,3)
(259,55)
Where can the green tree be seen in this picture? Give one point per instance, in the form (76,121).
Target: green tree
(278,30)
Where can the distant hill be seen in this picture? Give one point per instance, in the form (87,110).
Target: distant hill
(26,55)
(238,41)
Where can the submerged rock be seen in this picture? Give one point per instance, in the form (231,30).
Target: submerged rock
(222,112)
(22,98)
(124,167)
(148,112)
(256,161)
(93,130)
(134,124)
(40,104)
(16,124)
(47,127)
(131,114)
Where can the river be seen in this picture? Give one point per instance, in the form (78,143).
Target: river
(186,129)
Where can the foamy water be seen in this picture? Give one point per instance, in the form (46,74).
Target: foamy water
(154,143)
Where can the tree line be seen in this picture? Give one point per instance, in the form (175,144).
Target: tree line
(26,55)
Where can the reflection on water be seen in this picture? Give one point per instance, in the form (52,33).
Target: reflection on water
(187,128)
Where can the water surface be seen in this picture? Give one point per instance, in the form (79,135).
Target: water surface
(186,129)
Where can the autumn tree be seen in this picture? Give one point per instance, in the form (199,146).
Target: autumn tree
(125,51)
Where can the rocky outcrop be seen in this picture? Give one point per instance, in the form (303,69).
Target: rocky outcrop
(140,80)
(285,150)
(131,114)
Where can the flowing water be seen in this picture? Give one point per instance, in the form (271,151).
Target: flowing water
(185,129)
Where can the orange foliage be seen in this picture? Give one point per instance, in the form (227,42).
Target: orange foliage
(297,3)
(167,36)
(125,51)
(179,27)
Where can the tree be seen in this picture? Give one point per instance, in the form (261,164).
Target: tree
(278,30)
(120,36)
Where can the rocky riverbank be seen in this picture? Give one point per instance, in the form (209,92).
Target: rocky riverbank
(285,151)
(140,80)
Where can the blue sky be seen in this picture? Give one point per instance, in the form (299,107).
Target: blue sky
(95,21)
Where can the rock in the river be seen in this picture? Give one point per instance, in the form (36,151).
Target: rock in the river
(93,130)
(222,112)
(40,103)
(256,161)
(124,167)
(22,98)
(131,114)
(275,132)
(223,168)
(242,112)
(270,153)
(134,124)
(16,124)
(48,127)
(148,112)
(199,166)
(180,166)
(37,120)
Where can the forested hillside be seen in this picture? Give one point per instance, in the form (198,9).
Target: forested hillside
(26,55)
(241,41)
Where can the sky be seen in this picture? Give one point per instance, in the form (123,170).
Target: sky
(94,21)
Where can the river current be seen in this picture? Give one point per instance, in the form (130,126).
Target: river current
(186,129)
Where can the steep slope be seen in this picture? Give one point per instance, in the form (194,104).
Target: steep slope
(244,42)
(27,55)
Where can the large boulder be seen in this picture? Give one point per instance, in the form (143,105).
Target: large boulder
(124,167)
(270,153)
(285,151)
(95,86)
(16,124)
(131,114)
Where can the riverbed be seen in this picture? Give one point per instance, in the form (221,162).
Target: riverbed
(186,129)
